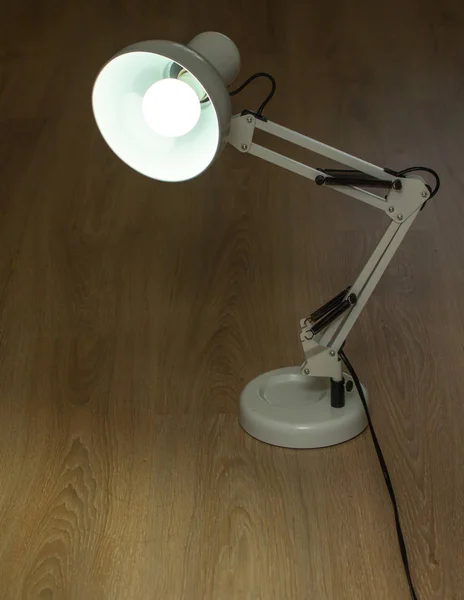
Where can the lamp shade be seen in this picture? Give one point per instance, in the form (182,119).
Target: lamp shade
(163,108)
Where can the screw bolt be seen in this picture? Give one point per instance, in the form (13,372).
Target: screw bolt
(399,217)
(391,209)
(306,371)
(332,353)
(249,119)
(424,194)
(244,146)
(397,185)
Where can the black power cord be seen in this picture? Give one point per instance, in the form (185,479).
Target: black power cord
(378,449)
(425,170)
(259,112)
(386,475)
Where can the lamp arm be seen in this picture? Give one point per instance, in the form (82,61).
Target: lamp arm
(402,203)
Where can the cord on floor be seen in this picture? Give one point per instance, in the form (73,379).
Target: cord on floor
(386,475)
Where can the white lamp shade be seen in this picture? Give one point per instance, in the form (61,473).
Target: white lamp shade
(118,95)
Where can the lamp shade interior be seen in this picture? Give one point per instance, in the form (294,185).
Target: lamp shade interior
(118,95)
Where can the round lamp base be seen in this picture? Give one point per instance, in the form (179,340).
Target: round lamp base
(289,409)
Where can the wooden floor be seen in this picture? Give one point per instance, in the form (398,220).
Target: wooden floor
(133,312)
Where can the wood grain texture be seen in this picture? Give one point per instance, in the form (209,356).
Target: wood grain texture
(132,313)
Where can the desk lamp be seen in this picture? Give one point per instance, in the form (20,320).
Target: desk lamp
(164,108)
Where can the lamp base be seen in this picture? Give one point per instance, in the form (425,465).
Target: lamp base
(289,409)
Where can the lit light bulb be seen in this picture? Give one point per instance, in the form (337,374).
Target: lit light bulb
(171,107)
